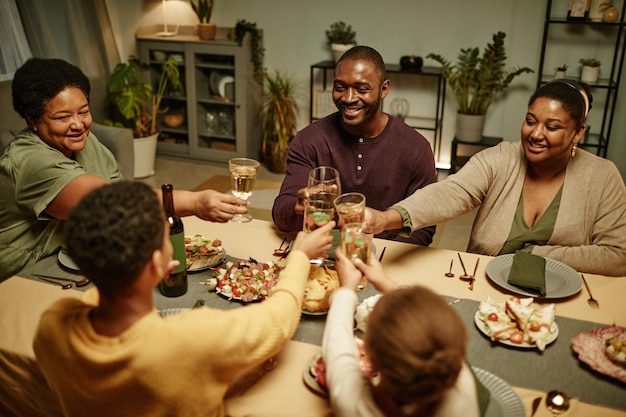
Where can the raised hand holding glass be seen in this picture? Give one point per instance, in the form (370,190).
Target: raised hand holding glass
(242,178)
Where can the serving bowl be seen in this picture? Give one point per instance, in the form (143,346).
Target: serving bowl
(174,120)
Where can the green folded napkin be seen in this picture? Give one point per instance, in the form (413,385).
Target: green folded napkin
(528,272)
(482,393)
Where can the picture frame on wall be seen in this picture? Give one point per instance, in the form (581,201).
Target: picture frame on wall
(578,10)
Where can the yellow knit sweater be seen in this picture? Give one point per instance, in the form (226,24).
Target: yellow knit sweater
(175,366)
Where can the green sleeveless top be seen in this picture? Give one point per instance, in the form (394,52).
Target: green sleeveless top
(523,237)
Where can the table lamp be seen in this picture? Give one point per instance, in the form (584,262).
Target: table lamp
(399,107)
(165,32)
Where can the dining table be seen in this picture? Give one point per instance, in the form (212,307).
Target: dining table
(529,372)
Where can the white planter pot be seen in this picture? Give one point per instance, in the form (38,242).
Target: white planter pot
(145,154)
(560,74)
(469,127)
(589,75)
(338,49)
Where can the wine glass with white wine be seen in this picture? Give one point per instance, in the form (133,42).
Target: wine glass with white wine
(242,178)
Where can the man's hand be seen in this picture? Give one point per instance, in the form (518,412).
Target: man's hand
(303,195)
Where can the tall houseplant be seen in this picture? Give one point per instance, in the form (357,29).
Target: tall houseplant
(280,112)
(203,10)
(340,37)
(476,80)
(138,104)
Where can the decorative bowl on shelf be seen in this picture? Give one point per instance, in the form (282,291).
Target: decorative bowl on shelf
(174,120)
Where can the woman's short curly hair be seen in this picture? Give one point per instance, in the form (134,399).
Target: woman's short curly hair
(112,233)
(418,344)
(39,80)
(575,97)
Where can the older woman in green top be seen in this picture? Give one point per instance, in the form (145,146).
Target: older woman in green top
(56,160)
(542,194)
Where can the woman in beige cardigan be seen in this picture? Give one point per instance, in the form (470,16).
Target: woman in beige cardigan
(542,194)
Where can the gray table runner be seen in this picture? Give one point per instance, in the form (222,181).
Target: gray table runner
(555,368)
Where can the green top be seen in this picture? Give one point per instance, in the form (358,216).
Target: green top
(32,174)
(522,237)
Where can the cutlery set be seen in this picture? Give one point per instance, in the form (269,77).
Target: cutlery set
(593,303)
(54,280)
(465,276)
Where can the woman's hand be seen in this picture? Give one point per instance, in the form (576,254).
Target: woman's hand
(380,221)
(209,205)
(315,244)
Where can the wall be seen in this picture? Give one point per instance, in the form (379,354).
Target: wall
(294,39)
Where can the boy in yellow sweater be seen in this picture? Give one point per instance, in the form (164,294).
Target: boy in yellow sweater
(120,357)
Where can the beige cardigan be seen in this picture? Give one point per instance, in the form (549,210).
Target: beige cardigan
(590,230)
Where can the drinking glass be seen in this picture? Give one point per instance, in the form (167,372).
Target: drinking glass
(324,181)
(242,177)
(317,212)
(351,207)
(356,243)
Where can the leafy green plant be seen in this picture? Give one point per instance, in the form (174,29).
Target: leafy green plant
(477,80)
(135,100)
(203,9)
(340,32)
(589,62)
(258,52)
(563,67)
(280,112)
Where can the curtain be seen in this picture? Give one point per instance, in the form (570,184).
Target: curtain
(79,32)
(14,50)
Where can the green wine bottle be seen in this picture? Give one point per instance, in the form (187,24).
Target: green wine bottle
(175,284)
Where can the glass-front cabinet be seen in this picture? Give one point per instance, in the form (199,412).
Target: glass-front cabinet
(216,118)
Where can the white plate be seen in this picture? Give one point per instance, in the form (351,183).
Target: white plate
(314,313)
(310,381)
(561,280)
(66,261)
(483,328)
(503,400)
(221,85)
(171,311)
(211,262)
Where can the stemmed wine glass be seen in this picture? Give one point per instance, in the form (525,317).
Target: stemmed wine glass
(242,178)
(324,182)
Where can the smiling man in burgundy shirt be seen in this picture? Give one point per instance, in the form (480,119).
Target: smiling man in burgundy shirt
(376,154)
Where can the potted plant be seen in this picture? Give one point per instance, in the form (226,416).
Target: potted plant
(203,9)
(560,71)
(280,112)
(589,70)
(138,104)
(340,37)
(476,81)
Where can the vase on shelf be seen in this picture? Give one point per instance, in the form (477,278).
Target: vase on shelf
(589,74)
(596,10)
(469,127)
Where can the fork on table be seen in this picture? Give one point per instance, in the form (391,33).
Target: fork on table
(591,301)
